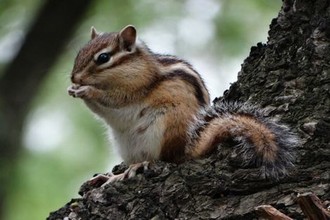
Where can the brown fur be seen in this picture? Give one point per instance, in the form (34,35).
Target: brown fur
(169,96)
(143,77)
(86,54)
(222,128)
(179,113)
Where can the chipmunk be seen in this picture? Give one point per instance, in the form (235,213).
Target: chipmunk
(158,108)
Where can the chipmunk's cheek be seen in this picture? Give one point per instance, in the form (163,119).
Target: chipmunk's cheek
(101,86)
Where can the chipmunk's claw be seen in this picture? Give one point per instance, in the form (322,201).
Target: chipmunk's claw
(105,179)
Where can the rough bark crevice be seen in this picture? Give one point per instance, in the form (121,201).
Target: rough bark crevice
(290,77)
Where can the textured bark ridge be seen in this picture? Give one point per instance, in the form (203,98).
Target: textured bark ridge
(290,77)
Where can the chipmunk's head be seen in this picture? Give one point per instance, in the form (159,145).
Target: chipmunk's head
(114,61)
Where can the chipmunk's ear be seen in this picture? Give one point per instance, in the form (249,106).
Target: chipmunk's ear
(128,37)
(94,33)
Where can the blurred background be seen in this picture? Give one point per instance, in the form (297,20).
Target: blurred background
(51,143)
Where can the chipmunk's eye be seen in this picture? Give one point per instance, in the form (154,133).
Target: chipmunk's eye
(102,58)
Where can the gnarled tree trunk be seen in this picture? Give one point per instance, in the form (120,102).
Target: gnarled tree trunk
(20,81)
(290,77)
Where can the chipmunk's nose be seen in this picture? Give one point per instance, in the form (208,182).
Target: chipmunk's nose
(76,78)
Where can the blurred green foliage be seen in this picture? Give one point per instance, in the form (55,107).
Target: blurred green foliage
(64,143)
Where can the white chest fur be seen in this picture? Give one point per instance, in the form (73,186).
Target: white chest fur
(137,131)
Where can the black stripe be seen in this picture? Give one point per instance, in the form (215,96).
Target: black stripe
(126,58)
(86,54)
(181,74)
(192,81)
(167,60)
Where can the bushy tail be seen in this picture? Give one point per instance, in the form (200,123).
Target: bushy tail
(260,141)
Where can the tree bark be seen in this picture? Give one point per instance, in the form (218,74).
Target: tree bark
(290,77)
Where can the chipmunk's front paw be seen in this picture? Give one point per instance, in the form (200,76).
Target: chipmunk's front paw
(77,91)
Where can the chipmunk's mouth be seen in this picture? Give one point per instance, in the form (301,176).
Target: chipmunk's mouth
(95,85)
(80,79)
(79,83)
(75,86)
